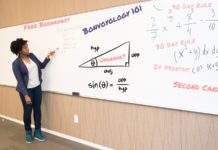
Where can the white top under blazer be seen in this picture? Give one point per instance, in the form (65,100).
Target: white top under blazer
(33,74)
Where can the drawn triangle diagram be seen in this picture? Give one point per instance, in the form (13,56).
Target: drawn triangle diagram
(116,57)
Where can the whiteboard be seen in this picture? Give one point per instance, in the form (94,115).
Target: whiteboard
(153,53)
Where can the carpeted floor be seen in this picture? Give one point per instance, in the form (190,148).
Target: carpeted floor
(12,137)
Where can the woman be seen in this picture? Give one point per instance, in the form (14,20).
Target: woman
(27,70)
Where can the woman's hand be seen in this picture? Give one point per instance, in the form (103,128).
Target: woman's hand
(28,100)
(51,53)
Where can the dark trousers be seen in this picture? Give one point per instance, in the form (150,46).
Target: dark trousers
(36,96)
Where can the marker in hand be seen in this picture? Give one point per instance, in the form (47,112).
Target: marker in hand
(56,49)
(51,53)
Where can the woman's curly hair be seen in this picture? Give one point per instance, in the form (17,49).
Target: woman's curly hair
(17,45)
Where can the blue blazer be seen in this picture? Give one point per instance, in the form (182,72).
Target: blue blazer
(21,73)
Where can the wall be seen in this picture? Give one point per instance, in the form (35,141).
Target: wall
(117,125)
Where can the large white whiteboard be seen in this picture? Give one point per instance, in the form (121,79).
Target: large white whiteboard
(158,53)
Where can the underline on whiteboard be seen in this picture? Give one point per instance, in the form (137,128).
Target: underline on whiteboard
(122,84)
(158,9)
(189,23)
(211,20)
(152,30)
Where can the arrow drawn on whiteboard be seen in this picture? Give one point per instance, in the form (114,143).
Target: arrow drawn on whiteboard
(116,57)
